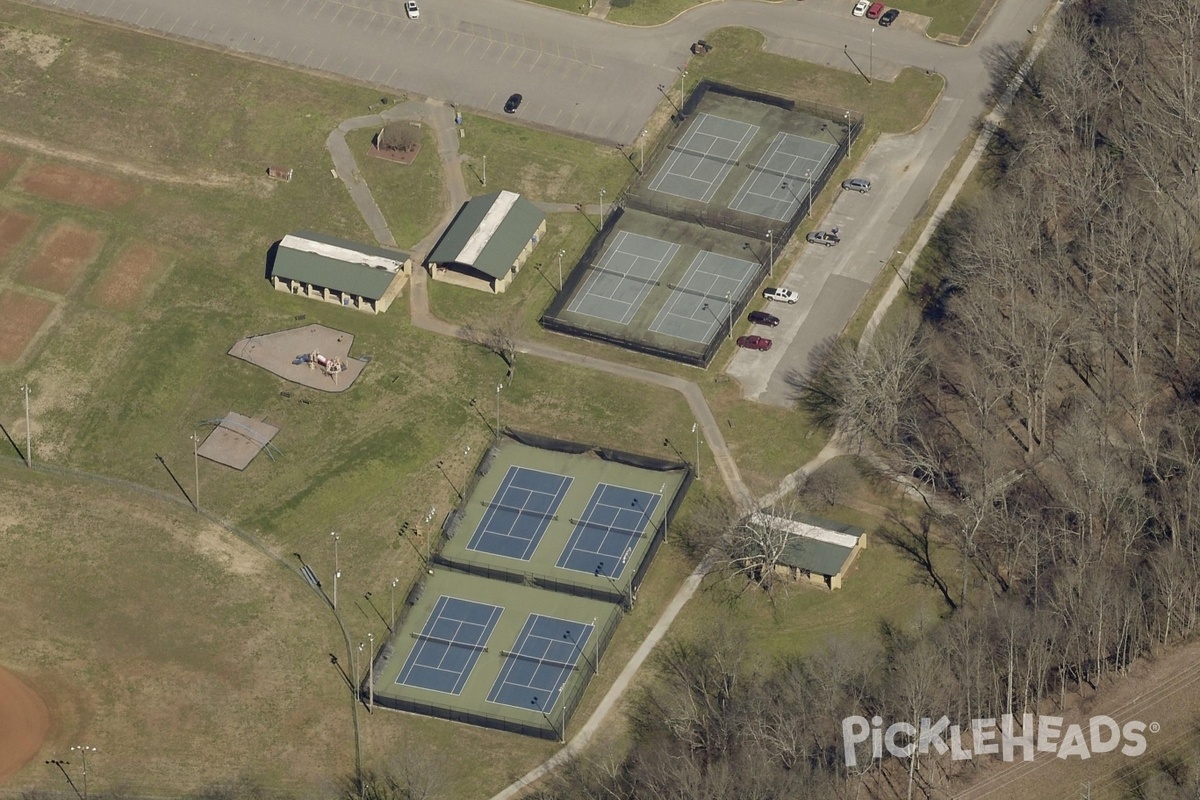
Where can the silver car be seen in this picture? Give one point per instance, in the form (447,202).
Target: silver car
(860,185)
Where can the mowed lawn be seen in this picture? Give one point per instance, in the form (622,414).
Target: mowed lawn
(120,393)
(114,391)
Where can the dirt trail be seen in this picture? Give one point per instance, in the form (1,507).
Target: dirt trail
(24,723)
(258,186)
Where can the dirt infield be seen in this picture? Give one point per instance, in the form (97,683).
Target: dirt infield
(128,280)
(237,439)
(280,353)
(8,165)
(14,226)
(77,187)
(21,316)
(65,251)
(24,723)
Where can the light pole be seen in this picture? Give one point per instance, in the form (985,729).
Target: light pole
(696,431)
(392,626)
(849,134)
(83,751)
(871,62)
(196,463)
(567,635)
(682,75)
(337,572)
(371,674)
(28,433)
(562,735)
(483,177)
(808,184)
(355,655)
(729,313)
(771,262)
(642,153)
(498,388)
(602,209)
(561,253)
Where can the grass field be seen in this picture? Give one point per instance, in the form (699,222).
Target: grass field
(412,196)
(173,618)
(543,167)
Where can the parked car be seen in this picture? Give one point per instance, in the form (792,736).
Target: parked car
(861,7)
(827,238)
(889,17)
(860,185)
(753,342)
(410,8)
(875,10)
(763,318)
(781,295)
(514,102)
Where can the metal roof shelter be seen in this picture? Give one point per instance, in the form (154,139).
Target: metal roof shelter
(488,241)
(819,549)
(339,271)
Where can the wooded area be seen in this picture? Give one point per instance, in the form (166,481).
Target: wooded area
(1043,404)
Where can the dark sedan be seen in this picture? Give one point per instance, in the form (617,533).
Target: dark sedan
(763,318)
(513,104)
(888,17)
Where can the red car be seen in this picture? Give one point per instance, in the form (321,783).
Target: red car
(754,342)
(875,10)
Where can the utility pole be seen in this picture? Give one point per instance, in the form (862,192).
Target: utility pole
(498,388)
(642,155)
(729,312)
(392,626)
(771,262)
(484,176)
(561,253)
(337,572)
(371,674)
(28,433)
(696,431)
(602,209)
(682,75)
(196,463)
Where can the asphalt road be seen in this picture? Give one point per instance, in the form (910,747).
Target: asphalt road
(591,78)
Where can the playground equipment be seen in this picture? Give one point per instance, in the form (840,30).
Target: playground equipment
(328,366)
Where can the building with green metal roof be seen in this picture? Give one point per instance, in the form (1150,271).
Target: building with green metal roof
(819,550)
(488,242)
(339,271)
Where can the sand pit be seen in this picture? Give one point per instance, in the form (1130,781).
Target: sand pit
(65,252)
(24,723)
(21,316)
(127,282)
(236,440)
(77,187)
(281,353)
(14,227)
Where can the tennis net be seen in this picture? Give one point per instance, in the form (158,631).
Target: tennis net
(781,173)
(731,162)
(425,637)
(546,661)
(524,512)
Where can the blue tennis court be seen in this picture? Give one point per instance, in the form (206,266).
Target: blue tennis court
(604,535)
(525,504)
(448,646)
(547,650)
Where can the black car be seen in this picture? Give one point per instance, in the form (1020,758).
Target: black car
(513,104)
(763,318)
(889,17)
